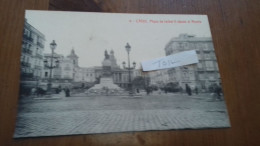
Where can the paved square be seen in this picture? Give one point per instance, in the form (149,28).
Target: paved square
(85,115)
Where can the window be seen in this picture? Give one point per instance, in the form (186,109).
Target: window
(23,58)
(209,64)
(26,32)
(27,59)
(209,46)
(199,65)
(46,74)
(67,67)
(201,76)
(216,65)
(199,56)
(211,77)
(181,45)
(207,56)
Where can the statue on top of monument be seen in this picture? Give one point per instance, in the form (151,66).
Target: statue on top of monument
(106,55)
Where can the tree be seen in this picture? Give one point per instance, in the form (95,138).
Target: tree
(141,82)
(172,87)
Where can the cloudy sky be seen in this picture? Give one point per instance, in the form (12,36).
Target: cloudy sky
(90,34)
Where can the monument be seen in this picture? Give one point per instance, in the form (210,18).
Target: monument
(106,85)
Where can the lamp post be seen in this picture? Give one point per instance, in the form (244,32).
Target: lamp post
(51,66)
(129,68)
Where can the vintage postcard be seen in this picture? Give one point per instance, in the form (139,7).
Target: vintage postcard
(88,73)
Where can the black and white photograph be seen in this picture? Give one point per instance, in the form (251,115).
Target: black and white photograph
(82,73)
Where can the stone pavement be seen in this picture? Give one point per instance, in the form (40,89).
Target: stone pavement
(85,115)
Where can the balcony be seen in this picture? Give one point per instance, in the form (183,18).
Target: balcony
(40,44)
(200,69)
(25,64)
(28,38)
(210,69)
(38,67)
(57,76)
(27,51)
(208,58)
(26,75)
(212,79)
(39,56)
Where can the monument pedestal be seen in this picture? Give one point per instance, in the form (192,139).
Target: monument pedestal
(105,87)
(106,82)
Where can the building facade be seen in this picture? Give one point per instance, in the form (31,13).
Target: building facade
(159,77)
(69,71)
(32,53)
(201,75)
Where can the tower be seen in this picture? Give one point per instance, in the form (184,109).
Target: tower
(74,58)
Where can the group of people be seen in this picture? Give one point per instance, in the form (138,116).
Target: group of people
(217,90)
(37,91)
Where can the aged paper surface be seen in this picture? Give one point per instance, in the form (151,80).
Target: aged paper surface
(81,73)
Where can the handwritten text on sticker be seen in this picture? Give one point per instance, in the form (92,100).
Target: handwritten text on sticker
(174,60)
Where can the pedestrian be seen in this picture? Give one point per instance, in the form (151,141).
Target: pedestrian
(196,90)
(33,91)
(147,91)
(181,90)
(67,92)
(188,89)
(218,91)
(165,90)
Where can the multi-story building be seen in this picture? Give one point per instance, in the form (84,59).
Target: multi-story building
(69,71)
(32,53)
(56,72)
(88,74)
(200,75)
(159,77)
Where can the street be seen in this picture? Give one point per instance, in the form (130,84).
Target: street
(85,115)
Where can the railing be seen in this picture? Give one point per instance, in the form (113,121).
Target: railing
(212,79)
(210,68)
(200,69)
(38,67)
(40,44)
(25,64)
(28,51)
(39,56)
(57,76)
(26,75)
(28,38)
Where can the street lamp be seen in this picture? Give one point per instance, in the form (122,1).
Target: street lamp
(129,68)
(51,66)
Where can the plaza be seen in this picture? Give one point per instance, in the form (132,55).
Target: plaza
(102,89)
(81,114)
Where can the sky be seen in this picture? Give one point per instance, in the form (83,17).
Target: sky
(90,34)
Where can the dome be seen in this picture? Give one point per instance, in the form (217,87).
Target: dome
(106,62)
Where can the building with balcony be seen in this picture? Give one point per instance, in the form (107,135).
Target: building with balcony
(159,77)
(201,75)
(31,53)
